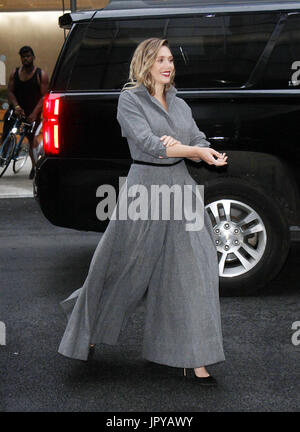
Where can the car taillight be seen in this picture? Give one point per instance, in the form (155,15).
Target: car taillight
(51,110)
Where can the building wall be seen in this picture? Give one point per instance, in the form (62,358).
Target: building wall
(38,29)
(43,5)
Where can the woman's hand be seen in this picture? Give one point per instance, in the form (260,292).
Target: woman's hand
(169,141)
(207,155)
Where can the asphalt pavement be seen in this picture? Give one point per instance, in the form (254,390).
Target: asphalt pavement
(42,264)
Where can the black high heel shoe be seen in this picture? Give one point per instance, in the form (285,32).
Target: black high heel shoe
(208,381)
(91,353)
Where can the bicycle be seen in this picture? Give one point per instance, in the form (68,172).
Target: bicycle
(11,148)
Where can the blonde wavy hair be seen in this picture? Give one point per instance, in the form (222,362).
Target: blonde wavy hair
(142,60)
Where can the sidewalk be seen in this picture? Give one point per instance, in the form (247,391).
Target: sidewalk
(16,185)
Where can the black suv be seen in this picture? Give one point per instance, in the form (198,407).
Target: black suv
(238,67)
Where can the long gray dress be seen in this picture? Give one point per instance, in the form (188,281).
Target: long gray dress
(158,263)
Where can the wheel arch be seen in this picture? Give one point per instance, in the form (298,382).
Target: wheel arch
(261,170)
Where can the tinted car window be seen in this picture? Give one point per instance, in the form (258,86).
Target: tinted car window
(106,51)
(281,71)
(209,51)
(68,57)
(218,51)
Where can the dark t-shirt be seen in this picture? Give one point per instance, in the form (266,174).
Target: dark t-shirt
(28,93)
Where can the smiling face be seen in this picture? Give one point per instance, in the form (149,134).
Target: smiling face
(163,66)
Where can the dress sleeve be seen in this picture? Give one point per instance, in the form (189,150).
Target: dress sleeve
(135,126)
(197,137)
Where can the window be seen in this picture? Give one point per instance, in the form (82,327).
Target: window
(217,51)
(61,75)
(104,58)
(282,69)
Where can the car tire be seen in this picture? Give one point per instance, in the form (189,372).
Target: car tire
(272,242)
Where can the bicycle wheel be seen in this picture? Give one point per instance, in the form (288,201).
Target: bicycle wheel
(21,158)
(8,146)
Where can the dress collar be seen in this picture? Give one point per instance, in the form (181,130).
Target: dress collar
(170,95)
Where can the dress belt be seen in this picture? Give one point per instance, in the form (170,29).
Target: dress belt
(155,164)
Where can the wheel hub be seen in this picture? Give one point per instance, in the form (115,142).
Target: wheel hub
(228,236)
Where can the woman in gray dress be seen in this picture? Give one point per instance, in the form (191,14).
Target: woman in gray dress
(155,260)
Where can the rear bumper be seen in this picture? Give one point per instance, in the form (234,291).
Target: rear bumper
(66,189)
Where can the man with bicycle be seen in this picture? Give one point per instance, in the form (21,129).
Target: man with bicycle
(27,86)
